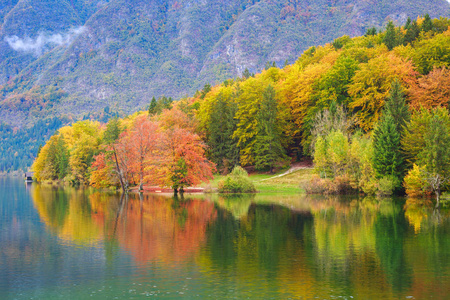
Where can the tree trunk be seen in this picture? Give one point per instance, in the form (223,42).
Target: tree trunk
(438,196)
(119,172)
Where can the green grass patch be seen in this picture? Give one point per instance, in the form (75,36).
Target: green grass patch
(269,183)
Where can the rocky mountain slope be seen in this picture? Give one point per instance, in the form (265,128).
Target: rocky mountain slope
(76,56)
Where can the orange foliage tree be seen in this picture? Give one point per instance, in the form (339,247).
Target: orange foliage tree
(432,90)
(142,138)
(181,156)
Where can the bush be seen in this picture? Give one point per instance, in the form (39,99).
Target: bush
(341,185)
(237,182)
(315,185)
(386,186)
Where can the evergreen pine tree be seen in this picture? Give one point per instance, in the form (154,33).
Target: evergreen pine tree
(152,110)
(427,24)
(392,36)
(371,31)
(223,148)
(412,33)
(388,160)
(388,156)
(206,90)
(408,23)
(246,74)
(396,106)
(268,147)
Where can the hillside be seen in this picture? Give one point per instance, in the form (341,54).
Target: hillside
(75,57)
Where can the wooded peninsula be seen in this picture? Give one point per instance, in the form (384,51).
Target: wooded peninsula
(371,111)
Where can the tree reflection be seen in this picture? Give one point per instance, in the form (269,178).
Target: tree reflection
(296,246)
(151,228)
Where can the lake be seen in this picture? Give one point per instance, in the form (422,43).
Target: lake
(67,243)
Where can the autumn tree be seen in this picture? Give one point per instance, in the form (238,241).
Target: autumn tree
(62,158)
(181,161)
(432,90)
(144,138)
(86,137)
(371,85)
(432,53)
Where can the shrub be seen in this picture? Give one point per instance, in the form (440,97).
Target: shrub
(341,185)
(237,182)
(386,186)
(315,185)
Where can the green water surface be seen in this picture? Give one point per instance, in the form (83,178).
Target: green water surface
(67,243)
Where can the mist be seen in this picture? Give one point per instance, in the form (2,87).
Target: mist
(43,41)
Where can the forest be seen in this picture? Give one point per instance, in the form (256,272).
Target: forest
(371,111)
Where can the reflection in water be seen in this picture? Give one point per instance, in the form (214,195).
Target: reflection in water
(265,246)
(163,229)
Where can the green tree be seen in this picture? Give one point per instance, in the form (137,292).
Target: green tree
(223,146)
(412,33)
(427,24)
(371,31)
(62,158)
(392,36)
(268,147)
(246,74)
(432,53)
(110,136)
(388,161)
(396,106)
(435,156)
(206,90)
(152,108)
(112,132)
(178,177)
(337,152)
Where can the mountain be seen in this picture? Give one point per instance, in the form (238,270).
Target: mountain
(64,60)
(72,57)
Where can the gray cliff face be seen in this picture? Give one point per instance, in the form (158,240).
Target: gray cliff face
(76,56)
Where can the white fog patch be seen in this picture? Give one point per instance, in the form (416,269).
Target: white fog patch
(43,41)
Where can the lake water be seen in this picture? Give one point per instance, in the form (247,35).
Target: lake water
(71,243)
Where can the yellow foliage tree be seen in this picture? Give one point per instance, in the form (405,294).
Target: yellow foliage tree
(371,85)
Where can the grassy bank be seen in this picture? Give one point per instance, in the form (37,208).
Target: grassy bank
(273,183)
